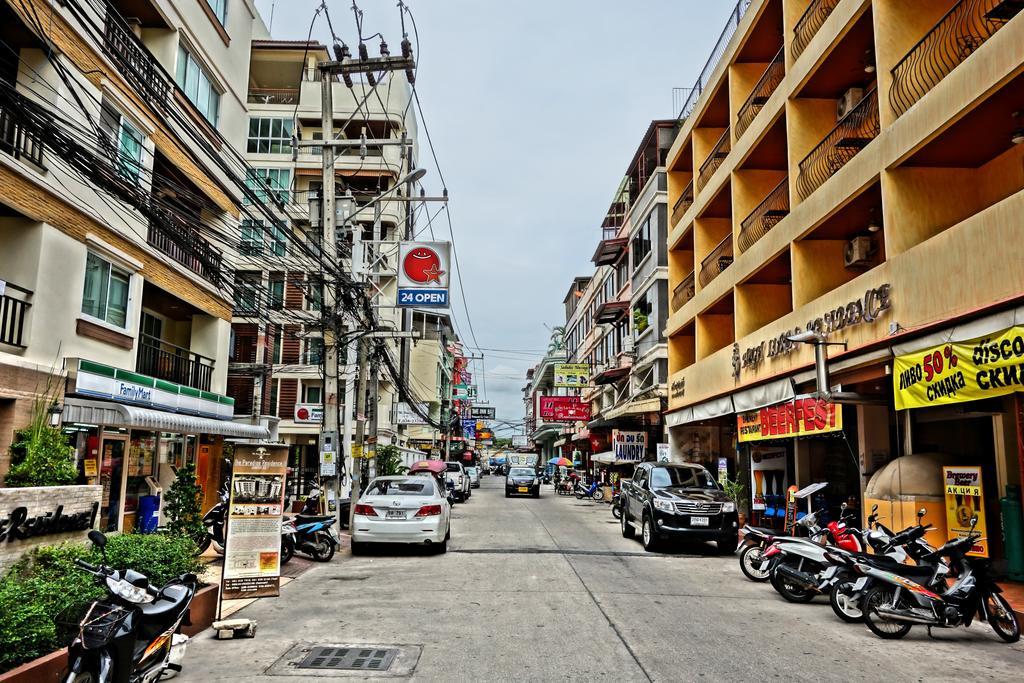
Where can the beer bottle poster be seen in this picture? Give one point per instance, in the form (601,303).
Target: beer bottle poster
(252,556)
(964,500)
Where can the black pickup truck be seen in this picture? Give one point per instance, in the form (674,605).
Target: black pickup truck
(683,501)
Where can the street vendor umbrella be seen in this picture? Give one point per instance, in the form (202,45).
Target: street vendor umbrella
(560,462)
(435,466)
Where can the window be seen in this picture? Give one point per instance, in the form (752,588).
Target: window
(312,393)
(275,350)
(269,136)
(105,294)
(275,290)
(314,353)
(197,85)
(252,238)
(220,10)
(276,240)
(152,326)
(247,293)
(642,311)
(126,142)
(642,242)
(315,295)
(269,184)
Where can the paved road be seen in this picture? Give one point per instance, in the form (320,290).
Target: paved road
(549,590)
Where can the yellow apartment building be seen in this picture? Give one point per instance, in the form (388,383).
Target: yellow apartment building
(853,168)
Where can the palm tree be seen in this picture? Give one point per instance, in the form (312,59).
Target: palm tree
(557,342)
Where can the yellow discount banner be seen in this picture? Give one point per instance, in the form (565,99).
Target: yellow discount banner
(963,371)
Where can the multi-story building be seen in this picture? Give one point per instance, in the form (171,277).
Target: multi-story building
(278,365)
(431,370)
(120,123)
(852,170)
(544,432)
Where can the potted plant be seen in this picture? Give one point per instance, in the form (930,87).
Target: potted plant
(734,489)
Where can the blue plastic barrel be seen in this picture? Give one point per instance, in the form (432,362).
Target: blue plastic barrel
(149,514)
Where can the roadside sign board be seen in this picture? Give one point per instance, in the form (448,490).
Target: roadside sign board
(572,375)
(483,413)
(423,274)
(629,446)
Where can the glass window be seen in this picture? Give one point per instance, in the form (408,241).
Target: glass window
(197,85)
(220,10)
(690,477)
(252,238)
(312,394)
(269,183)
(269,136)
(414,486)
(276,240)
(247,293)
(642,242)
(314,352)
(315,295)
(130,149)
(105,293)
(276,291)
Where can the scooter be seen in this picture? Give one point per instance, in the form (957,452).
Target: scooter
(310,534)
(593,492)
(757,540)
(214,520)
(132,636)
(897,603)
(617,506)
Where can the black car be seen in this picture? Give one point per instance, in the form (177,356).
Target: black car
(677,501)
(522,481)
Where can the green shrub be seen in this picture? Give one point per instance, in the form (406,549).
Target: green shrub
(40,454)
(46,582)
(183,506)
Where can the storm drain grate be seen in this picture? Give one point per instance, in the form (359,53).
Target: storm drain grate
(348,658)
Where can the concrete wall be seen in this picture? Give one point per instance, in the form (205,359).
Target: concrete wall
(41,501)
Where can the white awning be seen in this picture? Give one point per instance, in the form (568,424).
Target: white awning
(605,458)
(134,417)
(635,407)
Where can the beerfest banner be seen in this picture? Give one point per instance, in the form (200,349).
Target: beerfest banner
(964,499)
(252,553)
(985,367)
(803,416)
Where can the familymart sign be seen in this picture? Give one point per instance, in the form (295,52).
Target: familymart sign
(123,386)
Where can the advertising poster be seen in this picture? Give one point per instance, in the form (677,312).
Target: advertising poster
(423,273)
(469,429)
(964,371)
(483,413)
(964,499)
(802,416)
(768,475)
(309,413)
(406,415)
(252,554)
(572,375)
(564,408)
(664,452)
(629,446)
(519,441)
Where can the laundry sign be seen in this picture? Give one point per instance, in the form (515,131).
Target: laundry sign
(629,446)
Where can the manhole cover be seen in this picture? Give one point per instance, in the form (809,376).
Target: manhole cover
(348,658)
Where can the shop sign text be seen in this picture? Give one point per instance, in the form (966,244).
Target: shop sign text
(803,416)
(629,446)
(19,526)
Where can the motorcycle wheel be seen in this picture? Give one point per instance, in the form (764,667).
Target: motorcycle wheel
(287,550)
(1001,618)
(204,544)
(83,677)
(616,512)
(323,551)
(789,592)
(872,600)
(844,603)
(597,495)
(749,558)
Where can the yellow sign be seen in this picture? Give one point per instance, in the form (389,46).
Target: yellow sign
(803,416)
(90,467)
(964,499)
(357,451)
(572,375)
(985,367)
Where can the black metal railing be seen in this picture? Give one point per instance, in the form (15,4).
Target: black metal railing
(809,23)
(961,31)
(684,202)
(852,134)
(13,313)
(135,61)
(718,154)
(766,85)
(20,140)
(184,245)
(163,360)
(717,261)
(693,94)
(761,220)
(683,292)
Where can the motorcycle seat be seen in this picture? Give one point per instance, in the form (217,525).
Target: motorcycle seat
(764,531)
(306,519)
(168,603)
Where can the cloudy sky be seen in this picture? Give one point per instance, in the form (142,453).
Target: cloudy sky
(535,109)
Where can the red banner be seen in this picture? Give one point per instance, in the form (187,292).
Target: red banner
(802,416)
(564,409)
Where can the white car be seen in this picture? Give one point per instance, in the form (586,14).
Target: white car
(474,477)
(402,509)
(457,475)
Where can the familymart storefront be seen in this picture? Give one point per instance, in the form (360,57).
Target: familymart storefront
(131,432)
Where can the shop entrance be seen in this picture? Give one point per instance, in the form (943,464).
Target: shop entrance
(112,452)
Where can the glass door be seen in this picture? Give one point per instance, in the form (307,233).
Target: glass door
(111,478)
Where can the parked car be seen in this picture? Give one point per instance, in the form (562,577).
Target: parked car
(677,501)
(402,509)
(457,475)
(474,477)
(522,481)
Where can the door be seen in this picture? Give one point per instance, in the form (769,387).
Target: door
(112,473)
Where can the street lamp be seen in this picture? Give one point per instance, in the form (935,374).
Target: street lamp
(54,413)
(825,392)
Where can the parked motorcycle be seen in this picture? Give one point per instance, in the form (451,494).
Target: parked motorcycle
(757,540)
(593,492)
(215,520)
(617,506)
(898,602)
(312,535)
(132,635)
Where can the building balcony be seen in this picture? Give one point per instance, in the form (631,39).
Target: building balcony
(610,247)
(611,312)
(186,247)
(273,96)
(961,31)
(810,22)
(852,134)
(683,204)
(766,85)
(716,262)
(683,292)
(718,154)
(14,307)
(20,139)
(762,219)
(136,62)
(166,361)
(610,372)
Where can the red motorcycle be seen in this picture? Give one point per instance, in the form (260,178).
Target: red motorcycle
(844,536)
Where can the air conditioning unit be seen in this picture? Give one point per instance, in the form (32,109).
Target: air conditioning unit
(628,345)
(850,99)
(859,252)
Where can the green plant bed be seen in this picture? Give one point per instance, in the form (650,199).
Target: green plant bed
(46,582)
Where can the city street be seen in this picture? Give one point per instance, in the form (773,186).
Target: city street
(549,590)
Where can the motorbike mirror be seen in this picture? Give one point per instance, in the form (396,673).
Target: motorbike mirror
(874,508)
(842,507)
(974,521)
(921,513)
(98,538)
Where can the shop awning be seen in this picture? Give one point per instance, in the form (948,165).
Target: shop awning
(559,442)
(606,458)
(581,435)
(636,407)
(134,417)
(701,411)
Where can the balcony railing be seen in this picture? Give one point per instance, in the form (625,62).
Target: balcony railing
(13,314)
(693,94)
(186,247)
(718,154)
(136,62)
(683,292)
(766,85)
(852,134)
(809,23)
(20,140)
(717,261)
(166,361)
(961,31)
(683,204)
(273,96)
(761,220)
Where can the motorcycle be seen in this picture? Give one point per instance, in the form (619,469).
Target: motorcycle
(310,534)
(593,492)
(617,506)
(215,520)
(133,635)
(756,541)
(897,603)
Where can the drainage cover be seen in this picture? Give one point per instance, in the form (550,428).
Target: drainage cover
(348,658)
